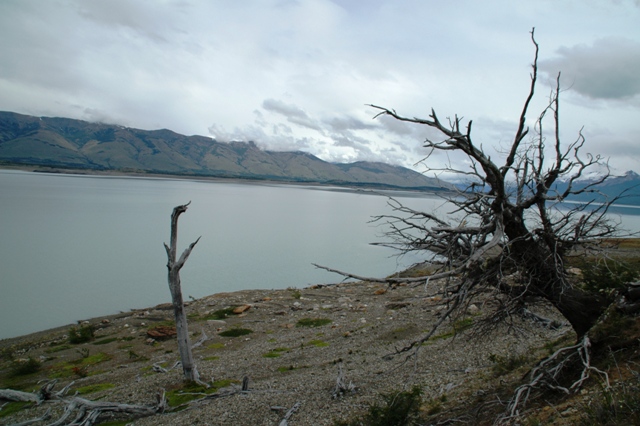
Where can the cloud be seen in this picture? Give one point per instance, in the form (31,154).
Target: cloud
(292,113)
(609,69)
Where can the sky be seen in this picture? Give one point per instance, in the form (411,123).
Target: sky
(300,75)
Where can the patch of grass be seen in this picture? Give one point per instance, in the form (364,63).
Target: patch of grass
(396,409)
(216,345)
(105,341)
(220,314)
(57,349)
(78,367)
(190,391)
(285,369)
(236,332)
(211,358)
(318,343)
(81,335)
(295,293)
(13,407)
(95,388)
(313,322)
(275,353)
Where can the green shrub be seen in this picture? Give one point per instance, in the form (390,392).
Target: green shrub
(81,335)
(236,332)
(313,322)
(23,368)
(397,409)
(607,276)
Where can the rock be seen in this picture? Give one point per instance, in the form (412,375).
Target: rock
(162,332)
(472,309)
(240,309)
(380,291)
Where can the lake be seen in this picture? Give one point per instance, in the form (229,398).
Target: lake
(74,247)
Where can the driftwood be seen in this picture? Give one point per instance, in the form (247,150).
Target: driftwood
(291,412)
(80,411)
(174,265)
(341,386)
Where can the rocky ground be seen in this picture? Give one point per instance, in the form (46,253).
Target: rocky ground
(288,356)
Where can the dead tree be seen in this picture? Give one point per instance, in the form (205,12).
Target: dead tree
(510,234)
(174,266)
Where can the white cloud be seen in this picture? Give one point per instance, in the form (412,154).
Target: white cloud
(298,74)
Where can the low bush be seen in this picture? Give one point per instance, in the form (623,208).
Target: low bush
(25,367)
(397,409)
(81,335)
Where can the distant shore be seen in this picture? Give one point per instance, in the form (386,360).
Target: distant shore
(337,186)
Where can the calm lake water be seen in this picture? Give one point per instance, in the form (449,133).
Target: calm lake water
(74,247)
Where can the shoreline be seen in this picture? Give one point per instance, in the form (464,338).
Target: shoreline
(346,187)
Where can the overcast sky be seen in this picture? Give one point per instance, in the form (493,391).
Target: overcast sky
(298,75)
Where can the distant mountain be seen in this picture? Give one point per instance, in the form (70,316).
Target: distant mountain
(76,144)
(627,187)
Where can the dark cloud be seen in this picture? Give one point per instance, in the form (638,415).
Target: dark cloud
(609,69)
(293,114)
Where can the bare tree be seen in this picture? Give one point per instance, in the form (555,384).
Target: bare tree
(174,266)
(510,234)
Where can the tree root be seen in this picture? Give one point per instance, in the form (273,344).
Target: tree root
(546,375)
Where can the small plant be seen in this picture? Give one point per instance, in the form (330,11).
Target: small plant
(296,294)
(236,332)
(313,322)
(81,335)
(319,343)
(25,367)
(397,409)
(80,370)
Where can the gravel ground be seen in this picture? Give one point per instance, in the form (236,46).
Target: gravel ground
(285,363)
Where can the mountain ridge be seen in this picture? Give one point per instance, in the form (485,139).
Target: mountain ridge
(75,144)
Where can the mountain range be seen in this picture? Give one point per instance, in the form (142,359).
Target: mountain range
(75,144)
